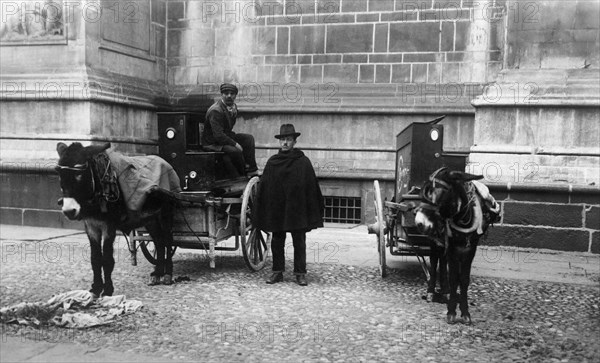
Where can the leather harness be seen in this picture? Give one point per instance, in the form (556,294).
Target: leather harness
(100,167)
(469,217)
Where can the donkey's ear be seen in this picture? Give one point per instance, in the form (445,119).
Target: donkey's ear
(464,177)
(96,149)
(60,148)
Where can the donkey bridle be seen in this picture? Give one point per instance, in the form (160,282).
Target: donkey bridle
(99,196)
(82,169)
(463,217)
(465,208)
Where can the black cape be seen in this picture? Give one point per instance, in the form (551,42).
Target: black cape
(289,197)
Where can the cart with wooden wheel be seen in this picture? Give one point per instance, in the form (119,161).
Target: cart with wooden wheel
(395,230)
(213,206)
(203,220)
(419,151)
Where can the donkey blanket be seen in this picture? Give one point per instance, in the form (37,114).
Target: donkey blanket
(138,174)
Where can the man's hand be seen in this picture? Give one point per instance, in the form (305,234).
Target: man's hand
(239,147)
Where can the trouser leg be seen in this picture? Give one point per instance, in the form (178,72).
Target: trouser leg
(230,168)
(278,251)
(299,238)
(247,143)
(237,158)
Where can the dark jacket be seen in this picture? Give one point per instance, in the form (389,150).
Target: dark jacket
(289,196)
(218,126)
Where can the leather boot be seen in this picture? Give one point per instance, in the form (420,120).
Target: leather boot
(301,280)
(275,277)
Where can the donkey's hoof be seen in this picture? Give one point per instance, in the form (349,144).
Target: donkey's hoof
(154,280)
(108,291)
(430,297)
(440,298)
(167,280)
(466,319)
(451,319)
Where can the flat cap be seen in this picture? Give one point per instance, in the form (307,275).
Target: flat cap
(229,87)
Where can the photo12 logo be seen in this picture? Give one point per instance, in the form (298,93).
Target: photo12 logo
(527,172)
(48,91)
(55,252)
(268,332)
(57,334)
(56,13)
(276,92)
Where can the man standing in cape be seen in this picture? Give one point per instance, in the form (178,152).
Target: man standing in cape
(289,200)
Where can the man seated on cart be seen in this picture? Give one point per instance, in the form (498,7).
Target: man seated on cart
(218,134)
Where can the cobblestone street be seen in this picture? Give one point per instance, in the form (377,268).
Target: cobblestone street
(346,314)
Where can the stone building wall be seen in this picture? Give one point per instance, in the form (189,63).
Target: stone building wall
(536,135)
(554,217)
(552,35)
(349,74)
(338,52)
(540,116)
(517,79)
(342,41)
(97,76)
(101,79)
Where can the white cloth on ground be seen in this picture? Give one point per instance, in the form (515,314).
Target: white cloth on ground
(73,309)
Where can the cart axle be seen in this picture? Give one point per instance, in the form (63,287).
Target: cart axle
(374,228)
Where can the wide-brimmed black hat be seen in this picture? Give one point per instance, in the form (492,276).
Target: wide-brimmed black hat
(228,87)
(287,130)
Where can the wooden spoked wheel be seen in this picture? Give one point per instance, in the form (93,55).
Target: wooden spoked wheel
(148,248)
(255,243)
(381,224)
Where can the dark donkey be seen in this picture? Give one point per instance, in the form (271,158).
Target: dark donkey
(92,192)
(455,211)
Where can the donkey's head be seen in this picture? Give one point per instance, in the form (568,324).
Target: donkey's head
(76,176)
(442,197)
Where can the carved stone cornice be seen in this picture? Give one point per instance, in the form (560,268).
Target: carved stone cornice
(87,84)
(543,88)
(83,84)
(335,98)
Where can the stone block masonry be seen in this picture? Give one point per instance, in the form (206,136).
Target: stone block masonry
(561,222)
(420,35)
